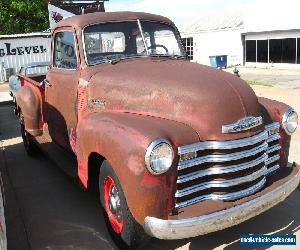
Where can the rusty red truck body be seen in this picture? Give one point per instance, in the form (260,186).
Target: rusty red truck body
(177,149)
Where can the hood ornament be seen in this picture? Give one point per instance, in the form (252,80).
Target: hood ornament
(243,124)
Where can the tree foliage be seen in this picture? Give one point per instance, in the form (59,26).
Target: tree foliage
(23,16)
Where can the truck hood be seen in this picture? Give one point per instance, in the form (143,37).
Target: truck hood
(178,90)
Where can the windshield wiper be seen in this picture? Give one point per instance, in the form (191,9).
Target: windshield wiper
(176,57)
(115,60)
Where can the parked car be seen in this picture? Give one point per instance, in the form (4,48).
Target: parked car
(176,149)
(32,69)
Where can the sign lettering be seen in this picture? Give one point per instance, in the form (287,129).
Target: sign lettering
(8,50)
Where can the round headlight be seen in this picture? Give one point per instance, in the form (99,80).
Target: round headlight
(290,121)
(159,156)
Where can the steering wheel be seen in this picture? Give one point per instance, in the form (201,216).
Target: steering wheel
(153,46)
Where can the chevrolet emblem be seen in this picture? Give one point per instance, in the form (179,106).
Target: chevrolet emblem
(243,124)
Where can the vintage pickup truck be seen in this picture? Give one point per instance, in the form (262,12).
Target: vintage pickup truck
(177,149)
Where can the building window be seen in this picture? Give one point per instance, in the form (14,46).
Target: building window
(262,51)
(250,51)
(289,50)
(298,50)
(188,44)
(283,50)
(275,50)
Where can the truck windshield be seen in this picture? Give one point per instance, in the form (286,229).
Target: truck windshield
(121,40)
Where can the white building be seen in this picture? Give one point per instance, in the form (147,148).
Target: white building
(17,50)
(213,35)
(255,35)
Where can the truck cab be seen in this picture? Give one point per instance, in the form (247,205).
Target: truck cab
(176,149)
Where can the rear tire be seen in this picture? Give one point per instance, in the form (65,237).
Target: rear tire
(126,232)
(28,141)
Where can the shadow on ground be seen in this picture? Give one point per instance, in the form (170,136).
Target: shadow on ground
(9,127)
(45,209)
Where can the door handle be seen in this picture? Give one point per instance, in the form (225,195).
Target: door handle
(45,83)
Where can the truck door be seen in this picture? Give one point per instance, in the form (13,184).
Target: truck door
(61,90)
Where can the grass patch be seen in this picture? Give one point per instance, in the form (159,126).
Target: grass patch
(251,82)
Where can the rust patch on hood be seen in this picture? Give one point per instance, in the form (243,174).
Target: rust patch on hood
(196,95)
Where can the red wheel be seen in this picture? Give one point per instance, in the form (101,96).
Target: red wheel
(112,205)
(123,228)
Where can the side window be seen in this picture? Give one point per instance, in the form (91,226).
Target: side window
(64,50)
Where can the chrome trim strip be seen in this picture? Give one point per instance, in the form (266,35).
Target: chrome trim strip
(204,224)
(273,148)
(275,125)
(223,144)
(223,158)
(224,197)
(272,169)
(272,159)
(222,183)
(221,170)
(274,137)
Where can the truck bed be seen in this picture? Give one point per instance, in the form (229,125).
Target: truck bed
(33,79)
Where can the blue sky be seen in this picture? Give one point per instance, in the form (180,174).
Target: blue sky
(179,13)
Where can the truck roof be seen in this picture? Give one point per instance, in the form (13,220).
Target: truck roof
(81,21)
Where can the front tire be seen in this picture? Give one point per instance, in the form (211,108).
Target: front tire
(30,147)
(123,228)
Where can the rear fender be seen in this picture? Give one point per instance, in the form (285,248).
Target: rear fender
(28,100)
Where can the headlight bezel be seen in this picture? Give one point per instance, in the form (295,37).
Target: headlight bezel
(285,122)
(150,150)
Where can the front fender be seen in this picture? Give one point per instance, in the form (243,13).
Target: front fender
(122,139)
(273,111)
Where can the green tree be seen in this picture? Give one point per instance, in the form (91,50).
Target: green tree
(23,16)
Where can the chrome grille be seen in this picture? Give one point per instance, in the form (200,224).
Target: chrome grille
(226,170)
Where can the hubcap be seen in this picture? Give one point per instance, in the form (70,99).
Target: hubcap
(112,204)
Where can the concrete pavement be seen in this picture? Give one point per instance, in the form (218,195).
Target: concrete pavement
(283,78)
(4,93)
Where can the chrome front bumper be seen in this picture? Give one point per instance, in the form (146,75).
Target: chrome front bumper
(195,226)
